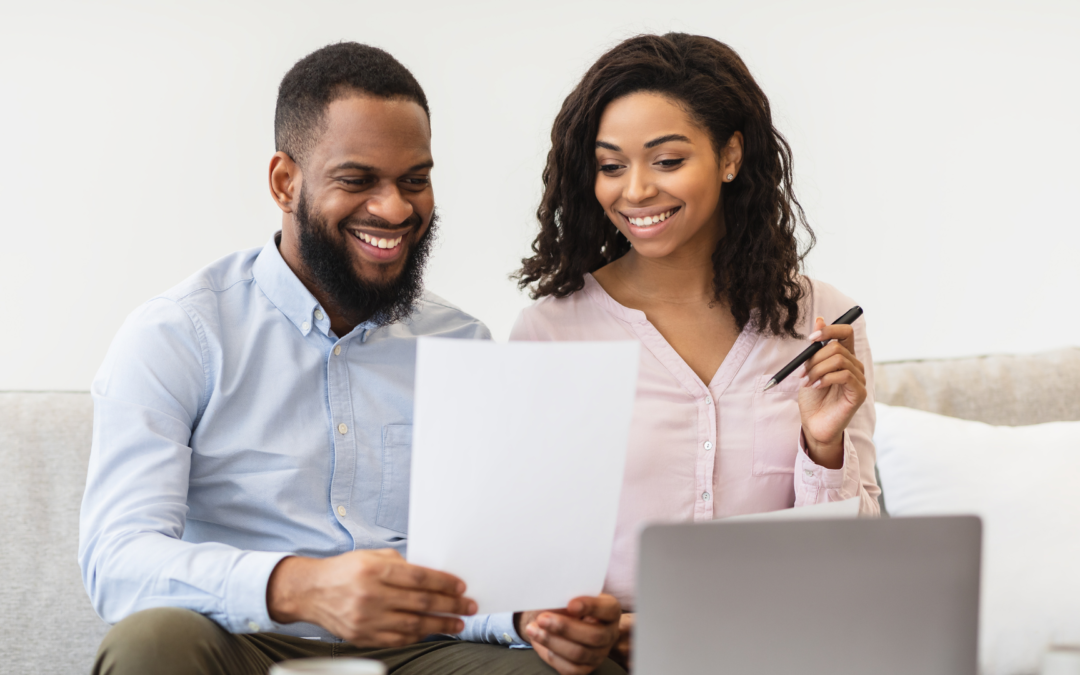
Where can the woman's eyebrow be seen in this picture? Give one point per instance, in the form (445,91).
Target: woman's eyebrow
(664,139)
(608,146)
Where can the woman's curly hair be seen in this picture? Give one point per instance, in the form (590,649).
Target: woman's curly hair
(757,262)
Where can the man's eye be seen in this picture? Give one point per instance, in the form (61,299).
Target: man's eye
(357,181)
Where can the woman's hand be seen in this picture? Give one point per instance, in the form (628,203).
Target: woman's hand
(834,386)
(575,640)
(621,653)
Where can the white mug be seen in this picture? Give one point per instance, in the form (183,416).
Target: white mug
(1061,660)
(329,667)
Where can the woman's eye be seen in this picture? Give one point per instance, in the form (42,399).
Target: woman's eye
(610,168)
(670,163)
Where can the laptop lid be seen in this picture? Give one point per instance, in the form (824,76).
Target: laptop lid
(837,597)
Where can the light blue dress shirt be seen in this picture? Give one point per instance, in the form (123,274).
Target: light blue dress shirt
(233,428)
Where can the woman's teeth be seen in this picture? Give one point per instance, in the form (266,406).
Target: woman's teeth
(380,243)
(651,220)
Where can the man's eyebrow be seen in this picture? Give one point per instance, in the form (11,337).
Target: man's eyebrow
(357,166)
(664,139)
(608,146)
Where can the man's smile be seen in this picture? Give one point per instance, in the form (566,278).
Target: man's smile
(381,245)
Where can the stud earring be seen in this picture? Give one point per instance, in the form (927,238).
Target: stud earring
(731,176)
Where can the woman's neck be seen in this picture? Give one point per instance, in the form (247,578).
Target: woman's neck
(674,279)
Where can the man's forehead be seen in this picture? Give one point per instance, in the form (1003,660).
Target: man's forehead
(378,132)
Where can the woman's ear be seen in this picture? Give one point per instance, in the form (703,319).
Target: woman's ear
(731,157)
(285,181)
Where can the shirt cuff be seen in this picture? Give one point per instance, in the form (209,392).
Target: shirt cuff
(245,592)
(819,484)
(491,628)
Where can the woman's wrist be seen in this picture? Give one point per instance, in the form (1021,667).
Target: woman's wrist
(827,454)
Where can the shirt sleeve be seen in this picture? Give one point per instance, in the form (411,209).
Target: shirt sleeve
(148,396)
(493,629)
(815,484)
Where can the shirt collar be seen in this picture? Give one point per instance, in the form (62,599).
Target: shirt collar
(283,288)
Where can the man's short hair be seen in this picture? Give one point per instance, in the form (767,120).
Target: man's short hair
(326,75)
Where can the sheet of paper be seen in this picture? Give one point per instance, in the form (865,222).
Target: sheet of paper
(848,508)
(517,464)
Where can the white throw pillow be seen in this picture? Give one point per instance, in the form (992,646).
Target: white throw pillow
(1025,484)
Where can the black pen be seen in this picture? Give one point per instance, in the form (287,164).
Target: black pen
(848,319)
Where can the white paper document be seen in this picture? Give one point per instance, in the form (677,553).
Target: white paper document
(848,508)
(517,464)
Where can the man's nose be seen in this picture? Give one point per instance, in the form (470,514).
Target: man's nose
(389,205)
(639,185)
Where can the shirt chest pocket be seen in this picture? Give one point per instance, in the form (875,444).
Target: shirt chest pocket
(776,426)
(393,511)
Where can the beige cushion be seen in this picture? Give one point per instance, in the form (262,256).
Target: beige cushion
(1004,390)
(49,625)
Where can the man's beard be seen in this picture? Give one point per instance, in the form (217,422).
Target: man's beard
(330,266)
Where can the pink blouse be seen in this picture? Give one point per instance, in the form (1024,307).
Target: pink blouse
(699,452)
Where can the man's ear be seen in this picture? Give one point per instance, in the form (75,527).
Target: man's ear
(285,181)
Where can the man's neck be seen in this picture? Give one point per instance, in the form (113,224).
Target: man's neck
(289,248)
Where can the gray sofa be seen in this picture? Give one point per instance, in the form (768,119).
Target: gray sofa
(45,442)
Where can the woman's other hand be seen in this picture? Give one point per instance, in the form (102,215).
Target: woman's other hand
(620,654)
(833,388)
(575,640)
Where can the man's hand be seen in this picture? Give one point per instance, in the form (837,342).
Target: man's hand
(575,640)
(370,598)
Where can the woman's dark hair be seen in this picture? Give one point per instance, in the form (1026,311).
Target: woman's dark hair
(757,262)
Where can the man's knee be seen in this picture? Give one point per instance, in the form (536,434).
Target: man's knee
(160,640)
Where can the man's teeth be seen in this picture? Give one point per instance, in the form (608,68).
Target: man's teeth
(381,243)
(651,220)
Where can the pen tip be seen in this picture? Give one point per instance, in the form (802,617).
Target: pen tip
(770,385)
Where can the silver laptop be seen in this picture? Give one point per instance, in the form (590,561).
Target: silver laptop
(822,597)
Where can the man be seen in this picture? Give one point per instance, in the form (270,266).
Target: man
(248,482)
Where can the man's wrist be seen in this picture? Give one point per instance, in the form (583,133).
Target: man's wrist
(283,592)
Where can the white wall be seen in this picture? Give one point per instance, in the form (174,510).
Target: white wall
(936,148)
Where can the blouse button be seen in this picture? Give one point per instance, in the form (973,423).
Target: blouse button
(706,496)
(708,400)
(708,445)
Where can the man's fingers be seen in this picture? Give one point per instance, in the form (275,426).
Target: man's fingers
(425,602)
(414,577)
(420,625)
(604,607)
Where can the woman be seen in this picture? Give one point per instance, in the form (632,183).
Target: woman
(668,217)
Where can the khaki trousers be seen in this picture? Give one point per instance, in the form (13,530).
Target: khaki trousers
(173,641)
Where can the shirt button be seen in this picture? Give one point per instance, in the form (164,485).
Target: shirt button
(318,315)
(507,639)
(341,511)
(343,429)
(253,626)
(708,445)
(708,400)
(337,350)
(706,496)
(304,326)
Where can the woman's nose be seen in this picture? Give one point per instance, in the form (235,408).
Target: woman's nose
(640,186)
